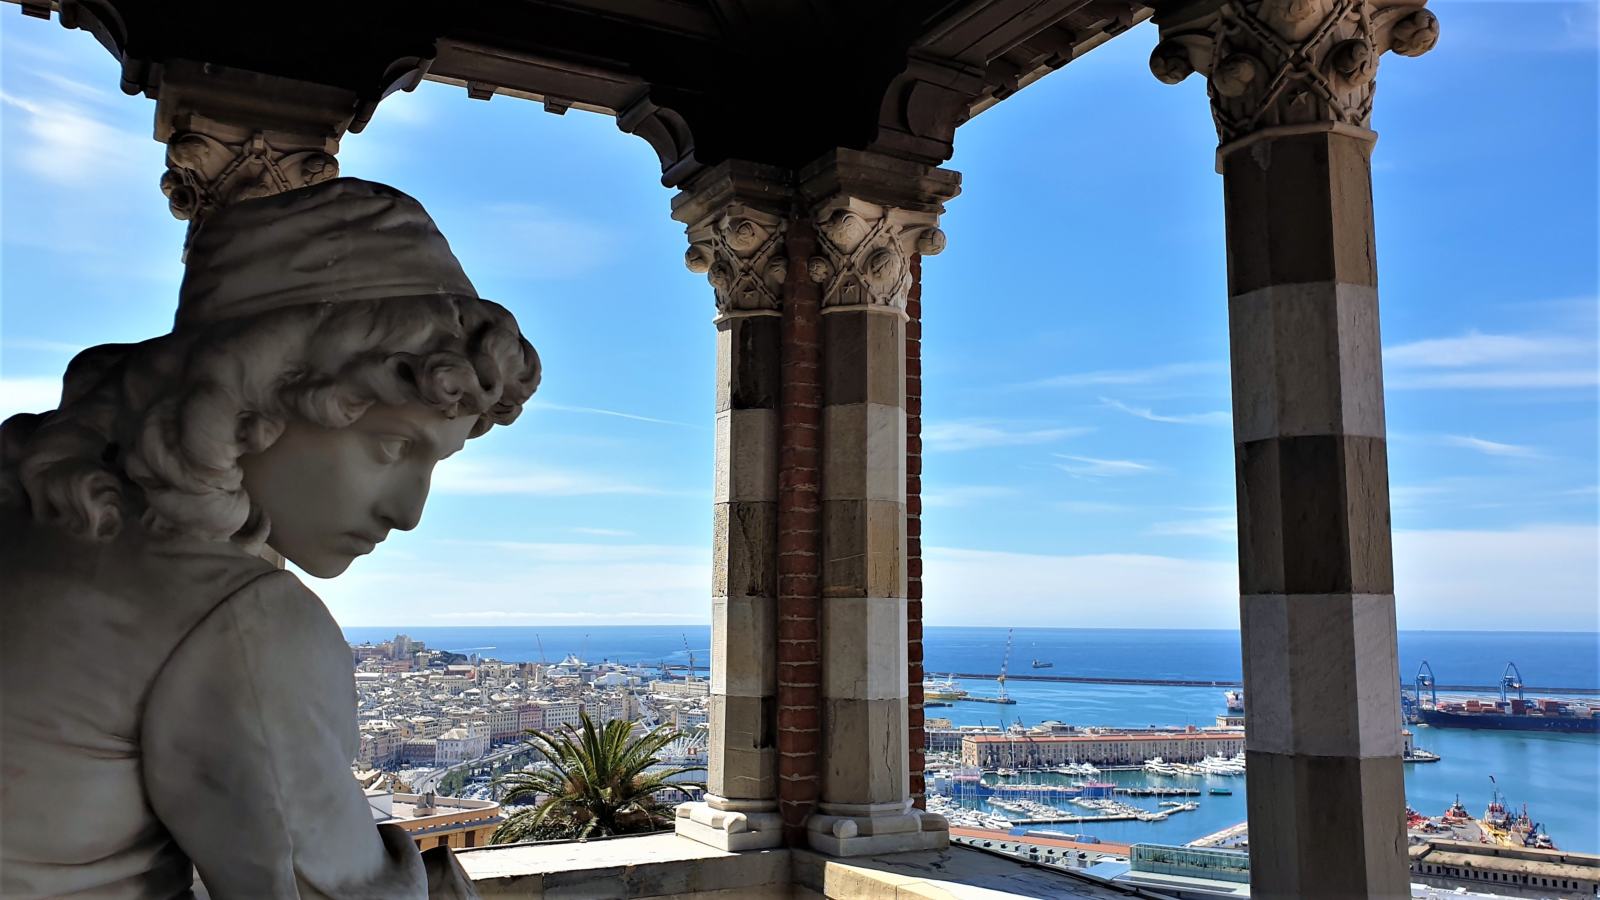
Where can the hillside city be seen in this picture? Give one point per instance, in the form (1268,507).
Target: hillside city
(423,711)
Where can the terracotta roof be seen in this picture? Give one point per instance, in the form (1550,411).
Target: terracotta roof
(1048,738)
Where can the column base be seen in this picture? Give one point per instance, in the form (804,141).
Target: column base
(870,835)
(730,829)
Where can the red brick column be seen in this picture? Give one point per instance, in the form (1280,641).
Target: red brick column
(799,538)
(916,741)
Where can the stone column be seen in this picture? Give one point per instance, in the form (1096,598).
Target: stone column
(1291,86)
(872,215)
(736,224)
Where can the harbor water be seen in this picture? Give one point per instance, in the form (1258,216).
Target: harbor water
(1557,775)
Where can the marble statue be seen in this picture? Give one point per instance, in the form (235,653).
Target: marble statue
(171,703)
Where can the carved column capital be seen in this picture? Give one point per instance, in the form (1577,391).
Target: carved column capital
(872,214)
(741,252)
(233,134)
(206,171)
(1285,66)
(736,215)
(864,253)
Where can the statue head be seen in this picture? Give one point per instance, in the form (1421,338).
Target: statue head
(328,352)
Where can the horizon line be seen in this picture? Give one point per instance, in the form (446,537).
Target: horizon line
(707,624)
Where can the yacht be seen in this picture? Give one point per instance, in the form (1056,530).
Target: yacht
(1159,766)
(933,689)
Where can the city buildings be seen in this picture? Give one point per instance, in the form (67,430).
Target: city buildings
(430,713)
(1109,748)
(433,821)
(1506,871)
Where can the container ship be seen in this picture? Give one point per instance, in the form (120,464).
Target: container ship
(1508,713)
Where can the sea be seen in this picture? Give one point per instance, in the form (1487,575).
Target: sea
(1557,776)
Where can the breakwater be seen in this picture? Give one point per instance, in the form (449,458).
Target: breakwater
(1203,683)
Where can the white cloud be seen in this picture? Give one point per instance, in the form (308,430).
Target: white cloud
(973,434)
(601,532)
(1148,375)
(68,144)
(33,395)
(1220,417)
(560,407)
(42,346)
(1537,577)
(1489,448)
(1498,379)
(1476,348)
(473,582)
(966,495)
(1089,467)
(579,552)
(967,587)
(630,617)
(526,240)
(1219,528)
(1493,361)
(498,477)
(1090,506)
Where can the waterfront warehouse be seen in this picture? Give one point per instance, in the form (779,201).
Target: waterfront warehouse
(1100,748)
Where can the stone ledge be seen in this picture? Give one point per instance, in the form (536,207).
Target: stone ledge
(956,873)
(653,865)
(666,865)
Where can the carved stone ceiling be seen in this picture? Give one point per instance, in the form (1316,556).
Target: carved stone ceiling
(774,81)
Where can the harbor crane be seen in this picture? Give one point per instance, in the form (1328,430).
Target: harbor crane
(686,649)
(540,642)
(1425,683)
(1005,662)
(1510,680)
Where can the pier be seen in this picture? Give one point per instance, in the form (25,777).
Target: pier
(1187,682)
(1069,819)
(1157,791)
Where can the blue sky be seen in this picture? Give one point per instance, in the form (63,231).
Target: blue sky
(1079,462)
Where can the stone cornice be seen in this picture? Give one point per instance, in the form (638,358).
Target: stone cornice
(1289,65)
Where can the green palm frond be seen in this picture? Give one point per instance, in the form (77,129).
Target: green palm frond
(594,784)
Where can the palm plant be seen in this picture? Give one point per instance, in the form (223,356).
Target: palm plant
(595,784)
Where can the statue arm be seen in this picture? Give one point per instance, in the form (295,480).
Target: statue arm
(248,735)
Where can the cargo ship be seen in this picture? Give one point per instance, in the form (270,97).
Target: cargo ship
(1508,713)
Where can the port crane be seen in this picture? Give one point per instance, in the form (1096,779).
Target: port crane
(1510,680)
(686,649)
(1425,683)
(1005,662)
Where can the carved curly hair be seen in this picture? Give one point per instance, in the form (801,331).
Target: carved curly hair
(155,430)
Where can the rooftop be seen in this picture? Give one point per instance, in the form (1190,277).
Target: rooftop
(1510,860)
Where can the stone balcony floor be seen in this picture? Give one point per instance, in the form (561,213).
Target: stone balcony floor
(666,865)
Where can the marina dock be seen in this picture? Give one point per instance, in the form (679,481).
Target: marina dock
(1070,819)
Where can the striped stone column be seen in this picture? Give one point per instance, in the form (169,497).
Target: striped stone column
(736,229)
(1291,86)
(872,216)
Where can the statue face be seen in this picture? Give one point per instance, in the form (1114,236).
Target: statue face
(332,494)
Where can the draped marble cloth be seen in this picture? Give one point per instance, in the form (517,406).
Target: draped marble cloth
(174,706)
